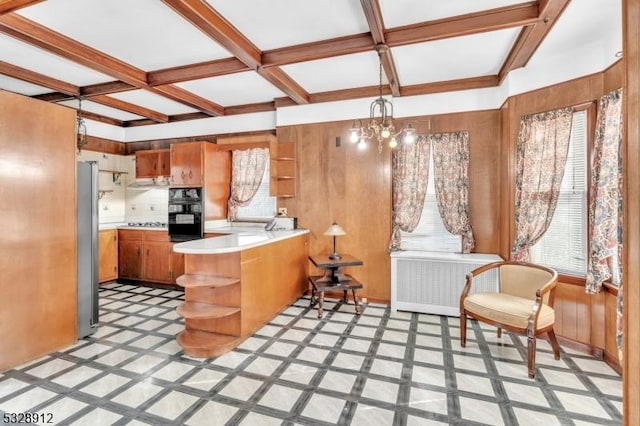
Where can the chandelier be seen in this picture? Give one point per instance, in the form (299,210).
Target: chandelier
(380,128)
(81,127)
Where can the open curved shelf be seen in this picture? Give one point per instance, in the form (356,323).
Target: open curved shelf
(202,344)
(196,280)
(199,310)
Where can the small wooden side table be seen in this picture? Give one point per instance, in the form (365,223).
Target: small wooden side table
(334,279)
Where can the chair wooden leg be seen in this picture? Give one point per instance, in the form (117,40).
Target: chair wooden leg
(554,344)
(531,348)
(463,329)
(499,332)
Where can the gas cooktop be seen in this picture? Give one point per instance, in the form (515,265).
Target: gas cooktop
(148,224)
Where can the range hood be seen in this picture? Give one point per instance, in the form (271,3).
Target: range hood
(152,183)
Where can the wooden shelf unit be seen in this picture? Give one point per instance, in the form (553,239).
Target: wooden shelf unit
(283,169)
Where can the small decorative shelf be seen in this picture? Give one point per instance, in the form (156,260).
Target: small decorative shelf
(101,192)
(115,174)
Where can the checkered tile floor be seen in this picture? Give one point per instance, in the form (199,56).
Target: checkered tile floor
(375,369)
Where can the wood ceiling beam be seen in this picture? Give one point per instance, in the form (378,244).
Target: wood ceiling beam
(472,23)
(7,6)
(185,97)
(102,119)
(532,36)
(131,108)
(196,71)
(450,86)
(282,81)
(318,50)
(38,79)
(106,88)
(214,25)
(372,12)
(37,35)
(53,97)
(209,21)
(500,18)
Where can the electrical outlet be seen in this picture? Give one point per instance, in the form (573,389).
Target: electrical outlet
(282,211)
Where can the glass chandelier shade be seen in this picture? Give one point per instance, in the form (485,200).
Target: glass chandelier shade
(380,127)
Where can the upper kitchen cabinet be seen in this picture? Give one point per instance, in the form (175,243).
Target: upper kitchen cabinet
(187,163)
(153,163)
(202,164)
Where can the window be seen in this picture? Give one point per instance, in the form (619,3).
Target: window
(564,245)
(430,233)
(262,205)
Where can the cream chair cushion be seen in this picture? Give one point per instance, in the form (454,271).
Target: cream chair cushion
(507,309)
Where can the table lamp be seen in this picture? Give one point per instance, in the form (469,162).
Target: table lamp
(334,231)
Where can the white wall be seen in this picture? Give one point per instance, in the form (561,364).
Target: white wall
(125,204)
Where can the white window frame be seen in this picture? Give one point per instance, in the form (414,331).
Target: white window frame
(564,247)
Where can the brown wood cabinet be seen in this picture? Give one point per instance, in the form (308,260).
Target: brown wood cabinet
(203,164)
(187,163)
(108,255)
(148,256)
(153,163)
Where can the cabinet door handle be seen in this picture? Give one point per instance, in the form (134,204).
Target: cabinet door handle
(190,174)
(182,174)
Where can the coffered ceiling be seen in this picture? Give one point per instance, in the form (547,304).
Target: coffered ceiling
(145,62)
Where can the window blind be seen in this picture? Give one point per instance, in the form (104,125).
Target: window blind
(564,245)
(430,233)
(262,206)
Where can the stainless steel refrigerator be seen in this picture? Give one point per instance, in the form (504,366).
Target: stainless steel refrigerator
(87,248)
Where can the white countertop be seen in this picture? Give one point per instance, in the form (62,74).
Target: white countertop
(237,239)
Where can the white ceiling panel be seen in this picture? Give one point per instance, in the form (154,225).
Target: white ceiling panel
(32,58)
(456,58)
(102,110)
(341,72)
(396,13)
(576,28)
(22,87)
(143,33)
(278,23)
(234,89)
(153,102)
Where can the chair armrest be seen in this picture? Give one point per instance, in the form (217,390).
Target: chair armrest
(470,275)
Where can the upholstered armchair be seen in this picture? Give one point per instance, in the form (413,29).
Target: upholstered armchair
(523,304)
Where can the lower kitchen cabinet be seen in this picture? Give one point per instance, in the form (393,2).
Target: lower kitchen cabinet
(148,256)
(108,255)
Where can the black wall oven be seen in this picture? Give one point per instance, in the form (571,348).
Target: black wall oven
(185,214)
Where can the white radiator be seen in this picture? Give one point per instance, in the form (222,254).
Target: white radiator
(431,282)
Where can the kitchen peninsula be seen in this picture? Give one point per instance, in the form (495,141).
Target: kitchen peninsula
(237,281)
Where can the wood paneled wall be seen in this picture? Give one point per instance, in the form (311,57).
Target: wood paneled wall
(631,361)
(38,209)
(353,188)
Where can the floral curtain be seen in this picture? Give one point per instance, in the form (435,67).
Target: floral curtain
(451,162)
(605,207)
(247,168)
(543,143)
(410,171)
(606,204)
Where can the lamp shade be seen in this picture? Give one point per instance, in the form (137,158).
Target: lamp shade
(335,230)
